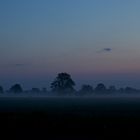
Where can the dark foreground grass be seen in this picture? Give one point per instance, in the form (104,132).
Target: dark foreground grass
(78,121)
(65,126)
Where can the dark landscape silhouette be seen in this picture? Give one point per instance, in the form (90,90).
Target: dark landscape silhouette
(65,117)
(63,84)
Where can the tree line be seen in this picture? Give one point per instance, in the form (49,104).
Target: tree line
(63,84)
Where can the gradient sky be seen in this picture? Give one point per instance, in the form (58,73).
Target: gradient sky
(93,40)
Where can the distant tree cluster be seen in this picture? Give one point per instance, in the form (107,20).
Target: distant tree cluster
(63,84)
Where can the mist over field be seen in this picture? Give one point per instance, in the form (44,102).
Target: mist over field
(70,69)
(67,95)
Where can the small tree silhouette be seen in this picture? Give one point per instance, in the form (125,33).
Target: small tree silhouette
(100,88)
(63,84)
(130,90)
(86,89)
(16,88)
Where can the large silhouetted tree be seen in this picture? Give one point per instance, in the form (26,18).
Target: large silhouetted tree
(16,88)
(63,84)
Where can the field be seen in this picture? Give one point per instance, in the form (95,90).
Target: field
(70,117)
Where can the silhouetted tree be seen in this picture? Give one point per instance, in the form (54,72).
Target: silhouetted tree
(86,89)
(100,88)
(1,89)
(16,88)
(63,84)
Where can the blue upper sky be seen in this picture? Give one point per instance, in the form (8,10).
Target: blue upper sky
(93,40)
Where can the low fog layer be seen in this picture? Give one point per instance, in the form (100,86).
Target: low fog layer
(44,95)
(64,86)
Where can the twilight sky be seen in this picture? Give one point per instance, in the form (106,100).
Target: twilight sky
(93,40)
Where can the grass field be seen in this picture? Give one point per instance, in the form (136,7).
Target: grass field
(70,118)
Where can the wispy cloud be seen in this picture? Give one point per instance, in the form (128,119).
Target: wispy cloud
(104,50)
(19,65)
(107,49)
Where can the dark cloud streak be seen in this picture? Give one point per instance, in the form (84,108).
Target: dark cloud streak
(104,50)
(107,49)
